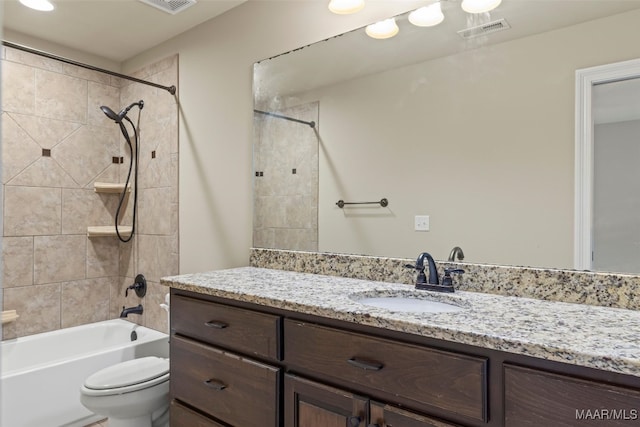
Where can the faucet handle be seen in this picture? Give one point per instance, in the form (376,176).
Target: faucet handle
(422,277)
(446,279)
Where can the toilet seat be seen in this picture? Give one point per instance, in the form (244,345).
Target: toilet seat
(127,377)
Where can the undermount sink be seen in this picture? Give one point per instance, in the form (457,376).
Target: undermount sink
(403,301)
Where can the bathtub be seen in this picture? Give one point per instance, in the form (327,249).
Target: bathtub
(41,374)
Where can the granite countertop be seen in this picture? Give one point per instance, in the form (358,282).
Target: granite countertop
(585,335)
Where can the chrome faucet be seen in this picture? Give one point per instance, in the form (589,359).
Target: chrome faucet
(131,310)
(456,251)
(433,284)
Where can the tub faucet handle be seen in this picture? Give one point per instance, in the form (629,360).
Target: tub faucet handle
(139,285)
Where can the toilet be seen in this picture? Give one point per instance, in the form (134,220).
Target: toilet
(134,393)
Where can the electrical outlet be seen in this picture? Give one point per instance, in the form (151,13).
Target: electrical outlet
(421,223)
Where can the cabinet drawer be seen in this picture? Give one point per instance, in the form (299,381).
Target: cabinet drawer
(241,330)
(185,417)
(412,373)
(538,398)
(238,391)
(389,416)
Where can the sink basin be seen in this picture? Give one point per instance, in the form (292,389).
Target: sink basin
(407,304)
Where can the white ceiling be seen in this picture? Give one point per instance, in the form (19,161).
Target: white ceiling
(112,29)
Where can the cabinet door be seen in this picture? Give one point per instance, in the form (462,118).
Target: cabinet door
(310,404)
(536,398)
(181,416)
(389,416)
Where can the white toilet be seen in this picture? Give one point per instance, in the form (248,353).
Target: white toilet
(134,393)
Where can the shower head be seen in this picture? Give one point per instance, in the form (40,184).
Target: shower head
(121,115)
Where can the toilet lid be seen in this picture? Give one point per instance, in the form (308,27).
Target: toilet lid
(128,373)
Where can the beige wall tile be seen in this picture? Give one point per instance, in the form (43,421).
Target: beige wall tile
(38,307)
(84,207)
(44,131)
(156,318)
(59,258)
(18,88)
(32,211)
(61,97)
(36,61)
(85,74)
(102,257)
(99,95)
(85,301)
(157,256)
(43,172)
(158,211)
(19,150)
(17,261)
(127,258)
(87,153)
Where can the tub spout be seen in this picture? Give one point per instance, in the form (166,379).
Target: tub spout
(131,310)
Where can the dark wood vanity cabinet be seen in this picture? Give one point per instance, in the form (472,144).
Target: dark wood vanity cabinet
(243,365)
(539,398)
(312,404)
(224,364)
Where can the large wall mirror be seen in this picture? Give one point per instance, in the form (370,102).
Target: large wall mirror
(470,123)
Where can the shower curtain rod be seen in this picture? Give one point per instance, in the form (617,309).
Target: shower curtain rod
(170,89)
(280,116)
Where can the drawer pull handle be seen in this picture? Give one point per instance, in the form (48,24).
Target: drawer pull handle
(216,325)
(370,366)
(354,422)
(215,384)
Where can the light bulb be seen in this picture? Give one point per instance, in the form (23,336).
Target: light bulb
(427,16)
(345,7)
(383,29)
(479,6)
(42,5)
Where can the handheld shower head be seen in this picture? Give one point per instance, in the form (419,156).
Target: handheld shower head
(121,115)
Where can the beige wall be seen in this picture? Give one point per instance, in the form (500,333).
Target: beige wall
(216,116)
(53,275)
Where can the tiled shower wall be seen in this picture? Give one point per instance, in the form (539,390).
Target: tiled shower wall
(286,180)
(56,143)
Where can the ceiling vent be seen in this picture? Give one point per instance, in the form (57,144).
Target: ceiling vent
(481,30)
(170,6)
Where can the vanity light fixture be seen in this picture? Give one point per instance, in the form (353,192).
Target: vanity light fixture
(427,16)
(383,29)
(41,5)
(345,7)
(479,6)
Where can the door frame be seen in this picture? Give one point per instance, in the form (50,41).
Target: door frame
(586,79)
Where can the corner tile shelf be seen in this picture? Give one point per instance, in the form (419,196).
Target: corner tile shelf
(109,187)
(110,230)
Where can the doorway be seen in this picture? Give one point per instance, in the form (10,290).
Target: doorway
(607,232)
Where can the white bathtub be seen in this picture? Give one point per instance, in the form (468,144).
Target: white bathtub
(41,374)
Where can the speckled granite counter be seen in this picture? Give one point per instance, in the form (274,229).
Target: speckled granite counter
(585,335)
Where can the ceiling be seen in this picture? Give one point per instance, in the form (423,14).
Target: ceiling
(316,65)
(113,29)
